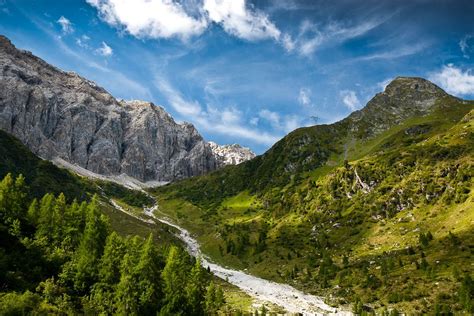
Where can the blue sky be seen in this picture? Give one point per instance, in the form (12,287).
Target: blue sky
(250,72)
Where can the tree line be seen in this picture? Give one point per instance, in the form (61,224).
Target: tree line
(63,258)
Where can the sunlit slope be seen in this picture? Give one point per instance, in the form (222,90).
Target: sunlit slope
(346,208)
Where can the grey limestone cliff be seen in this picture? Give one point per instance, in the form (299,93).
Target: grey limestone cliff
(59,114)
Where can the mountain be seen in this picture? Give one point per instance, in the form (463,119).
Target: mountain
(60,115)
(376,210)
(231,154)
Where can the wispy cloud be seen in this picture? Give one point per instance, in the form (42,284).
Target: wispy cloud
(394,53)
(465,45)
(282,123)
(82,41)
(350,99)
(384,83)
(311,36)
(105,50)
(454,80)
(66,25)
(225,121)
(304,97)
(183,107)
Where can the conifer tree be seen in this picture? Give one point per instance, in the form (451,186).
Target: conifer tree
(126,294)
(90,248)
(114,251)
(59,210)
(148,278)
(12,199)
(45,217)
(210,301)
(174,277)
(196,289)
(33,212)
(214,299)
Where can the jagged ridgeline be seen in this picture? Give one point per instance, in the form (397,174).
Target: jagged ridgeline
(377,209)
(63,117)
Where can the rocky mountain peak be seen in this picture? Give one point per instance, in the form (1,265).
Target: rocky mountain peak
(401,86)
(403,98)
(231,154)
(62,116)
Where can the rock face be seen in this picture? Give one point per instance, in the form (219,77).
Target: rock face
(403,98)
(62,115)
(231,154)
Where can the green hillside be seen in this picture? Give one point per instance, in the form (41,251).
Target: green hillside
(376,210)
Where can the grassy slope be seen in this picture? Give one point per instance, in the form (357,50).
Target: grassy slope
(421,173)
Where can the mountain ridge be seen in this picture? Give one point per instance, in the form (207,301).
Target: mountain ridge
(59,114)
(232,154)
(376,209)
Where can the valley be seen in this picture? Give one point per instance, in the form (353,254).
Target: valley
(113,207)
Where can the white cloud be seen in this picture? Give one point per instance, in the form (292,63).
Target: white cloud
(66,25)
(226,121)
(311,37)
(254,121)
(288,43)
(82,41)
(105,50)
(238,20)
(169,18)
(304,97)
(187,108)
(465,45)
(285,123)
(150,18)
(454,80)
(272,117)
(350,99)
(384,83)
(395,53)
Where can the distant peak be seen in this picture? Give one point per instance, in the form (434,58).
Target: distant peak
(402,85)
(231,154)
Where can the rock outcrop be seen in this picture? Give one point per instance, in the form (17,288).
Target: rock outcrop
(230,154)
(403,98)
(59,114)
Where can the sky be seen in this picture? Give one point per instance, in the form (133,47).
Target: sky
(249,72)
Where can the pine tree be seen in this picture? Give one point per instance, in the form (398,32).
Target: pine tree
(114,251)
(220,300)
(45,217)
(148,278)
(211,299)
(214,299)
(58,223)
(174,277)
(12,199)
(90,248)
(196,289)
(126,295)
(33,212)
(71,230)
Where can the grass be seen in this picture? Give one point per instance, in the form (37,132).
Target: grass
(311,215)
